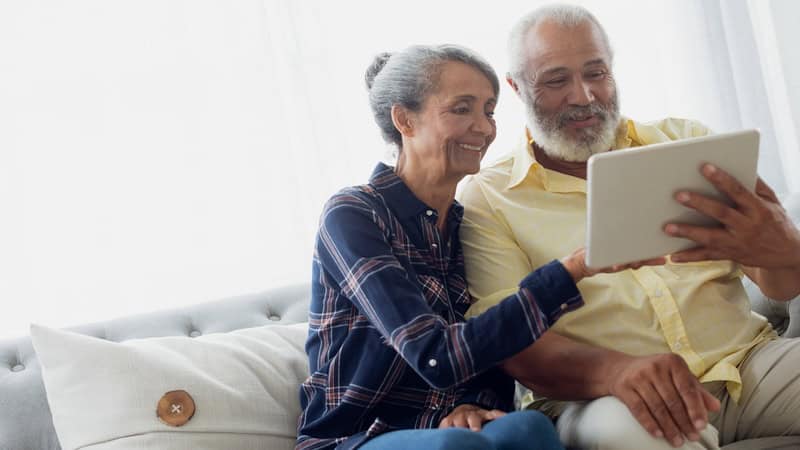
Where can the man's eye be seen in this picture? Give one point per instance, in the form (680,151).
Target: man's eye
(490,114)
(596,75)
(556,82)
(461,110)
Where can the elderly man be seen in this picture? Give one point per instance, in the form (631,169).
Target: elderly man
(660,357)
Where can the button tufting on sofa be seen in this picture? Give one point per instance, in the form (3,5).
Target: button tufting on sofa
(23,404)
(18,368)
(195,333)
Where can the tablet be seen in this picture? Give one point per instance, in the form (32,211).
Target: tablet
(631,193)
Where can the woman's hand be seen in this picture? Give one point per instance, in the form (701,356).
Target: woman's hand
(469,416)
(576,265)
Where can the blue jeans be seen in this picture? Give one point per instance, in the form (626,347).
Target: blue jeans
(528,430)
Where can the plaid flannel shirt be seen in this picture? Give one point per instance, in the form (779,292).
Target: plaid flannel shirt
(388,344)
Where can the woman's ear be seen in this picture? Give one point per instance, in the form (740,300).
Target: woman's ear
(403,120)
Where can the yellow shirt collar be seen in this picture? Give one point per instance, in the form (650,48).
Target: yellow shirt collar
(525,163)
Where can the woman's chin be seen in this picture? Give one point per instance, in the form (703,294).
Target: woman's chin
(474,170)
(471,169)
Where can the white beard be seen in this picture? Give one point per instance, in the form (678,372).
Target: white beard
(558,145)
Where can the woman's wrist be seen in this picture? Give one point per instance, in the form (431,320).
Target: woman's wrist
(575,266)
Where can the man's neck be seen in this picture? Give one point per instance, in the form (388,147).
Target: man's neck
(576,169)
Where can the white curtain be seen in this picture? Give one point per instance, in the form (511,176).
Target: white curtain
(159,153)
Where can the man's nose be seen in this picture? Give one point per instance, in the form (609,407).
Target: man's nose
(580,94)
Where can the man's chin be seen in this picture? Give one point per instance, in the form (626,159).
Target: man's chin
(577,145)
(573,150)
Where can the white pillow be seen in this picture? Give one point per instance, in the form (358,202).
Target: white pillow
(245,385)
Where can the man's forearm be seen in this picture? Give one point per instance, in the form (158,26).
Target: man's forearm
(777,284)
(561,368)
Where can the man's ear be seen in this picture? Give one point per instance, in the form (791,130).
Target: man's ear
(512,83)
(403,120)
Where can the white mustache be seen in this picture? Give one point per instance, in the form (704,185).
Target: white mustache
(578,112)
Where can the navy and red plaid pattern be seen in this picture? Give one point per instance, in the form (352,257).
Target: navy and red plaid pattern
(388,344)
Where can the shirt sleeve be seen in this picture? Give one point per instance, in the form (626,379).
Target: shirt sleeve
(354,249)
(493,389)
(494,261)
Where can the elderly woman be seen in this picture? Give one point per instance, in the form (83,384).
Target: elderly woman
(394,364)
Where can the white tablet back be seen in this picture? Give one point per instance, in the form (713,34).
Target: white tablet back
(630,193)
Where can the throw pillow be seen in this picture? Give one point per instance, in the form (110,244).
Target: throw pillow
(234,391)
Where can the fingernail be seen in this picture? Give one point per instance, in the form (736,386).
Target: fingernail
(677,442)
(694,437)
(699,424)
(671,229)
(658,434)
(683,197)
(710,169)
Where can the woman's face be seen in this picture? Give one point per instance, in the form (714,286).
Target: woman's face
(455,126)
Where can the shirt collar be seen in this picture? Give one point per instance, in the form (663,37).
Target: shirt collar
(400,198)
(525,165)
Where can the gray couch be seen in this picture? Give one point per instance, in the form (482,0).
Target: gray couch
(25,421)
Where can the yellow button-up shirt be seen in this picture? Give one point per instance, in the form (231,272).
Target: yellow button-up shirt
(520,215)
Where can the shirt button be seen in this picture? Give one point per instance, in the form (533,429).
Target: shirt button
(432,362)
(434,246)
(564,306)
(657,293)
(175,408)
(429,212)
(677,346)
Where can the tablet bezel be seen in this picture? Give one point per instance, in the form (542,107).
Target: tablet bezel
(630,193)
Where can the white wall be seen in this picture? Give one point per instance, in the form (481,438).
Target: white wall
(158,153)
(786,19)
(776,34)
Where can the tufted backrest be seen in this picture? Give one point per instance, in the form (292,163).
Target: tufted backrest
(25,421)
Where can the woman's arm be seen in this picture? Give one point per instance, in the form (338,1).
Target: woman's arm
(354,250)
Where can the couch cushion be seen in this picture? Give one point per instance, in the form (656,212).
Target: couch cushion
(243,386)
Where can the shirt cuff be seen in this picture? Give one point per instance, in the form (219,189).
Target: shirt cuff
(553,289)
(486,399)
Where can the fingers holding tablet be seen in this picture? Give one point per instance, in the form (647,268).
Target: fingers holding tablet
(755,231)
(575,264)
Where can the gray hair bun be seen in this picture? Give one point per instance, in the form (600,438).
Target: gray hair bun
(375,68)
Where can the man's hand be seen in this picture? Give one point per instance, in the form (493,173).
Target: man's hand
(469,416)
(756,232)
(576,265)
(664,396)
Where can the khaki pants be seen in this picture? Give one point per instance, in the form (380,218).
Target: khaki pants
(769,411)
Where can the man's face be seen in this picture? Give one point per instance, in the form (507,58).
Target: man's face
(569,92)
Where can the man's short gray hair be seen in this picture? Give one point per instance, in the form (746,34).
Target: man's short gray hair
(407,77)
(562,14)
